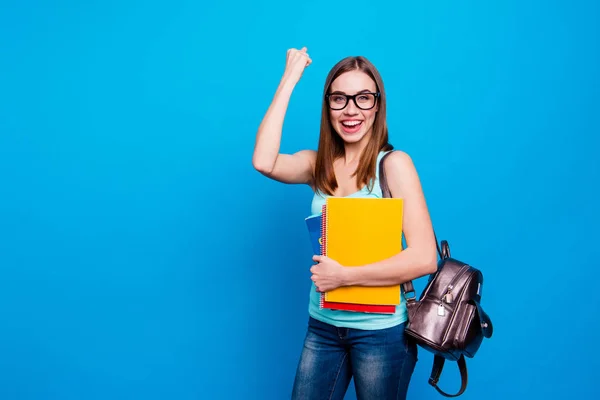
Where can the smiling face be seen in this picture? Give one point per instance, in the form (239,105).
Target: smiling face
(353,117)
(354,123)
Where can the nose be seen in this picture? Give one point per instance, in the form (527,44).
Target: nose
(351,108)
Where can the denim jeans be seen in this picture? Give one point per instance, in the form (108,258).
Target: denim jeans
(380,361)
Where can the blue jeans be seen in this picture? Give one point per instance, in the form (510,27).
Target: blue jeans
(381,362)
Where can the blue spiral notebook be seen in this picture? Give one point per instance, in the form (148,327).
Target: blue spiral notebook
(313,223)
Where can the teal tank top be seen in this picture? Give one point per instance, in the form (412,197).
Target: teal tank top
(350,319)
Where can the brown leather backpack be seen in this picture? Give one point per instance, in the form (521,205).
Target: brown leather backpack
(448,319)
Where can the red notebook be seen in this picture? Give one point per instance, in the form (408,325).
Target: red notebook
(367,308)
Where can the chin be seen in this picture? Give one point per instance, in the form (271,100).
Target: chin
(350,137)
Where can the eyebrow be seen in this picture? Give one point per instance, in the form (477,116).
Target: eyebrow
(362,91)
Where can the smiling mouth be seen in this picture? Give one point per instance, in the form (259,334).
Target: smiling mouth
(351,127)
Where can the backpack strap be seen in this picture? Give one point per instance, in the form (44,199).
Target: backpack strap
(385,192)
(436,371)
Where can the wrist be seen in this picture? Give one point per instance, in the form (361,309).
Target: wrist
(349,276)
(287,83)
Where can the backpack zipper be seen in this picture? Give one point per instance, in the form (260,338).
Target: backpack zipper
(447,297)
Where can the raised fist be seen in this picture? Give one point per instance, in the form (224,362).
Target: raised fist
(296,61)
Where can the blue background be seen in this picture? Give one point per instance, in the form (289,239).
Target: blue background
(142,257)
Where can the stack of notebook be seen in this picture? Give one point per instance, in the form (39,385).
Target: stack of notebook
(354,232)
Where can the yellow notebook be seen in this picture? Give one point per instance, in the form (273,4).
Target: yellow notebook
(360,231)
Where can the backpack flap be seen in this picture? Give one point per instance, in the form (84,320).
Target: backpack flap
(473,325)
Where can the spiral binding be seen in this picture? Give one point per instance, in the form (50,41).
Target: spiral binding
(323,244)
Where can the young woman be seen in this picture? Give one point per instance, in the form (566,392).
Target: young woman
(340,345)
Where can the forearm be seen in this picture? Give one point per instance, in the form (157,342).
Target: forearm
(268,137)
(407,265)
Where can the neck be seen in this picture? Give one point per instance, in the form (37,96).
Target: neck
(353,151)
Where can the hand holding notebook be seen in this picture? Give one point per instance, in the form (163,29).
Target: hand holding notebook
(327,274)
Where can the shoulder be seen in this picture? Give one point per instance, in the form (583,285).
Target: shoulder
(309,159)
(397,160)
(307,155)
(401,174)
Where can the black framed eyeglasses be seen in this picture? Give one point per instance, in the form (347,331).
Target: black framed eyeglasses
(364,101)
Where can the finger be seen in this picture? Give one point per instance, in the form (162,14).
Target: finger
(303,50)
(302,57)
(316,258)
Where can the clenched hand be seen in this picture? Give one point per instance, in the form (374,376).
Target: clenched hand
(327,274)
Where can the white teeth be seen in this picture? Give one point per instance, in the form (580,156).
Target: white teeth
(351,123)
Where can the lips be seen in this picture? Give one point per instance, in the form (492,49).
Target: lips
(351,125)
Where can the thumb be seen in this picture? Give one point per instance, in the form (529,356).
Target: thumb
(303,49)
(317,258)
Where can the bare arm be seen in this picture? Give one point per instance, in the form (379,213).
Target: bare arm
(287,168)
(419,258)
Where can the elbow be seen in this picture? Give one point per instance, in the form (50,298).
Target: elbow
(430,267)
(262,166)
(429,263)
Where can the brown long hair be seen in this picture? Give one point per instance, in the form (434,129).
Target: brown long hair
(331,145)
